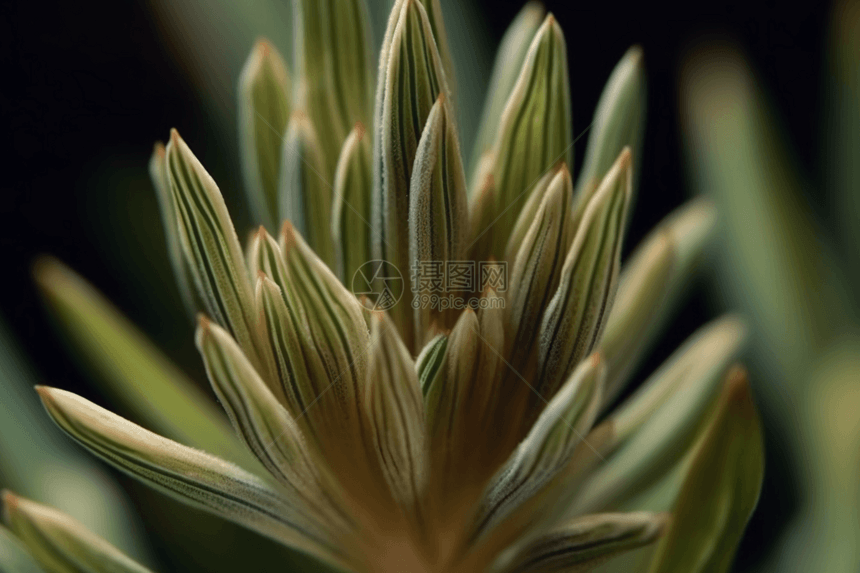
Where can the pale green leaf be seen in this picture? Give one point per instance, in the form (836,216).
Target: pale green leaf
(60,543)
(410,81)
(650,287)
(534,133)
(396,410)
(583,543)
(333,56)
(266,427)
(131,369)
(264,107)
(619,122)
(191,476)
(305,190)
(721,489)
(351,212)
(438,213)
(656,426)
(506,68)
(210,246)
(577,313)
(182,274)
(14,556)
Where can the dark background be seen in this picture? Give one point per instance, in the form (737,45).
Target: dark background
(88,88)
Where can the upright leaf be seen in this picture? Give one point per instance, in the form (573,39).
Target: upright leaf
(264,107)
(351,210)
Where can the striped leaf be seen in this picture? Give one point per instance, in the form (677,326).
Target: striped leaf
(333,59)
(535,130)
(351,212)
(506,68)
(191,476)
(264,108)
(210,246)
(655,427)
(585,542)
(651,286)
(438,213)
(574,319)
(411,79)
(60,543)
(305,188)
(396,410)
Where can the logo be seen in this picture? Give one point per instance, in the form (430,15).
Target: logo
(378,285)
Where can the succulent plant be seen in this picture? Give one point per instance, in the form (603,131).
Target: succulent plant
(475,431)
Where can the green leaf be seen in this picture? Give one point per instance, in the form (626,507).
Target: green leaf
(266,427)
(191,476)
(619,122)
(535,130)
(396,410)
(506,68)
(60,543)
(334,61)
(182,274)
(210,246)
(651,287)
(461,374)
(440,37)
(721,489)
(585,542)
(410,81)
(130,369)
(547,449)
(305,189)
(14,556)
(351,210)
(656,426)
(264,107)
(438,212)
(537,266)
(577,313)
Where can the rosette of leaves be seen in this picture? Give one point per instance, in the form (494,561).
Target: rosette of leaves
(419,439)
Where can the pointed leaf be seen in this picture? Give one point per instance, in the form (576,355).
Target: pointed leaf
(506,68)
(393,399)
(721,488)
(619,122)
(561,427)
(656,426)
(305,188)
(351,211)
(265,425)
(333,57)
(264,107)
(60,543)
(438,213)
(189,475)
(210,245)
(537,267)
(535,130)
(410,81)
(131,369)
(182,274)
(651,286)
(574,319)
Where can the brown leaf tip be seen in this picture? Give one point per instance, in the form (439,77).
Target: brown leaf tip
(359,130)
(737,392)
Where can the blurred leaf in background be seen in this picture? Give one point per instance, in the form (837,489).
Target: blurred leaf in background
(794,276)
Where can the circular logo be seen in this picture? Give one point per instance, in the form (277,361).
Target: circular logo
(378,285)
